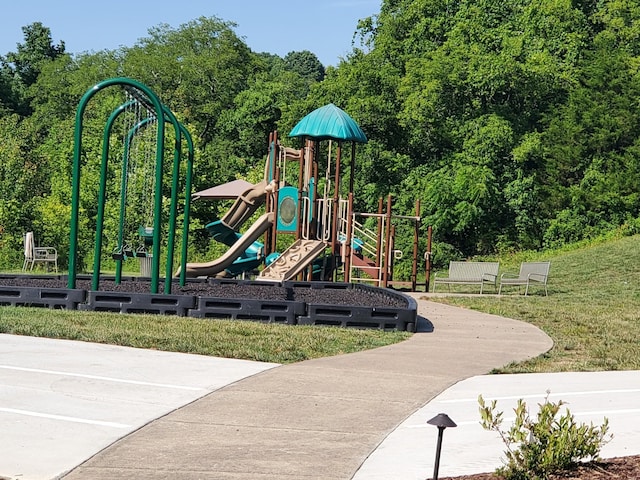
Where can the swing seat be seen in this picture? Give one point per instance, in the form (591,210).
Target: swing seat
(122,253)
(146,233)
(141,252)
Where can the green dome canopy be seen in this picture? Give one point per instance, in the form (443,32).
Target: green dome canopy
(329,123)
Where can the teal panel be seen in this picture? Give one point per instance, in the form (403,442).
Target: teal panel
(287,209)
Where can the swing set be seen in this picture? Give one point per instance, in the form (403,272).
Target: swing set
(141,183)
(136,186)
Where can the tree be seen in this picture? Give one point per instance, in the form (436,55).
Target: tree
(198,69)
(305,64)
(26,64)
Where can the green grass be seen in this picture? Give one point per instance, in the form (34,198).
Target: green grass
(592,312)
(223,338)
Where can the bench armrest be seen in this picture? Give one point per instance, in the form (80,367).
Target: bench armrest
(489,277)
(44,252)
(509,275)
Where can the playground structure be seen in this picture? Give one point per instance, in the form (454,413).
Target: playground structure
(330,241)
(369,255)
(133,154)
(140,111)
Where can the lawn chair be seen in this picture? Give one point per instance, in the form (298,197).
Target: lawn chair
(531,273)
(33,254)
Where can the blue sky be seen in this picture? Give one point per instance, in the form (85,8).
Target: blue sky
(324,27)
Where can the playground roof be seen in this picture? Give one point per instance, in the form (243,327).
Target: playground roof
(231,190)
(329,123)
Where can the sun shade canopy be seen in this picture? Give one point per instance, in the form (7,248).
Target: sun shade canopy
(329,123)
(231,190)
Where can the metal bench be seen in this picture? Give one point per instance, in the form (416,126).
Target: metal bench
(468,273)
(531,274)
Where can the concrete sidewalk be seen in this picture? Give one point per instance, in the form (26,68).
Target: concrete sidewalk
(318,419)
(62,401)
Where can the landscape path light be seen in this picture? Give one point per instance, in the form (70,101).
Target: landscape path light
(441,421)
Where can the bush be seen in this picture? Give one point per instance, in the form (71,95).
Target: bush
(539,447)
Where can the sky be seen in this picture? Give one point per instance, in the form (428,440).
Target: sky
(324,27)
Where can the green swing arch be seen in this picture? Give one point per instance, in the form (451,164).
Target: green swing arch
(145,97)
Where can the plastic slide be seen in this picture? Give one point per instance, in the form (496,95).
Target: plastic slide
(235,253)
(243,255)
(246,205)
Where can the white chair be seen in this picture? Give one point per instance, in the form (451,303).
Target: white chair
(33,254)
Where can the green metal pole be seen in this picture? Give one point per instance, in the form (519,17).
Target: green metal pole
(97,253)
(187,208)
(173,213)
(75,187)
(180,131)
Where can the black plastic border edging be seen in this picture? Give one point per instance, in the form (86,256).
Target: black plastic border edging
(270,311)
(153,303)
(383,318)
(60,298)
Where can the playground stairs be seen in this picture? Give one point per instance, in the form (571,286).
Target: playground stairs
(366,265)
(293,260)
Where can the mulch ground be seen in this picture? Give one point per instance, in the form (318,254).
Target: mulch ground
(623,468)
(317,296)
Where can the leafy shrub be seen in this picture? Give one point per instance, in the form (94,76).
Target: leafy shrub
(443,253)
(539,447)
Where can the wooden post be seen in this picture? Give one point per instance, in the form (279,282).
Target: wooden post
(385,275)
(270,197)
(274,229)
(416,237)
(391,256)
(334,220)
(301,220)
(379,243)
(353,166)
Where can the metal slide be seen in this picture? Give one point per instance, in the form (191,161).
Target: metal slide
(236,250)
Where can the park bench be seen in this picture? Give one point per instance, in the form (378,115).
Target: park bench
(468,273)
(531,274)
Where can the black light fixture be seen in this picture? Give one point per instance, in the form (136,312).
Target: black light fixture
(441,421)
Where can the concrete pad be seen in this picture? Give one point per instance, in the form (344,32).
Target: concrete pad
(63,401)
(469,449)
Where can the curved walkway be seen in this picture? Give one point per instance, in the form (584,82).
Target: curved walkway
(318,419)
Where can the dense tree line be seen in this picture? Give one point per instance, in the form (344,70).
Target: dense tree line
(516,123)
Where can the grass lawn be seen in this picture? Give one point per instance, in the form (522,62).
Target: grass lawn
(592,312)
(222,338)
